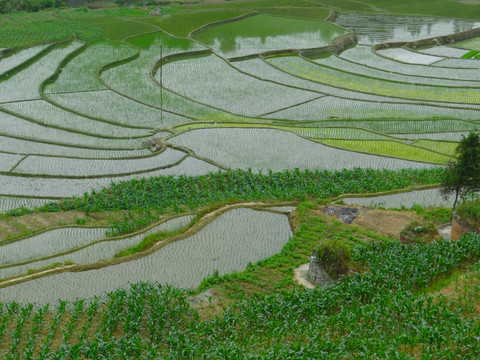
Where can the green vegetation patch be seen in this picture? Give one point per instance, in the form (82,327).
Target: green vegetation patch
(444,147)
(397,320)
(175,193)
(322,74)
(27,33)
(419,232)
(334,256)
(470,212)
(470,54)
(389,148)
(275,274)
(257,4)
(182,24)
(120,29)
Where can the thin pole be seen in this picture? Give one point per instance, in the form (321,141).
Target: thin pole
(161,83)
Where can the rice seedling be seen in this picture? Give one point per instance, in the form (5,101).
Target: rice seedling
(48,243)
(116,109)
(364,55)
(44,113)
(9,62)
(338,63)
(424,198)
(19,128)
(81,168)
(437,145)
(409,128)
(390,148)
(80,73)
(464,64)
(158,320)
(12,203)
(445,51)
(332,107)
(259,148)
(309,70)
(217,83)
(26,83)
(99,248)
(227,244)
(183,23)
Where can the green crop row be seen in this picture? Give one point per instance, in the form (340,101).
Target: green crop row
(169,192)
(149,321)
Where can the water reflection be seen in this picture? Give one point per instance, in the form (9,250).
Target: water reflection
(262,33)
(374,29)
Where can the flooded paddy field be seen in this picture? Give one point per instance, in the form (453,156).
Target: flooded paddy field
(266,90)
(227,244)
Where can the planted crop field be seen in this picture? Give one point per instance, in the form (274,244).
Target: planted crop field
(227,242)
(193,144)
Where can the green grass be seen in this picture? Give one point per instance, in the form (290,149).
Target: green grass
(148,242)
(349,5)
(27,33)
(437,215)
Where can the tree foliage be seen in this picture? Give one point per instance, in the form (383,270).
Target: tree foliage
(462,176)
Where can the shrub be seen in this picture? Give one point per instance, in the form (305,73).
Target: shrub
(470,212)
(334,257)
(419,232)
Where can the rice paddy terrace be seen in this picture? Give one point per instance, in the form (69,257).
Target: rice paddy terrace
(166,148)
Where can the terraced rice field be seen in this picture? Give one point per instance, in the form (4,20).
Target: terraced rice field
(227,244)
(241,89)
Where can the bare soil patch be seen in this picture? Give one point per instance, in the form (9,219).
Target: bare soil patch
(300,276)
(388,222)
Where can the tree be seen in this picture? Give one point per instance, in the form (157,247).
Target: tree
(462,176)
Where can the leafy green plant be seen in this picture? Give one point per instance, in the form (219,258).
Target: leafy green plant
(19,212)
(131,223)
(51,206)
(470,212)
(169,193)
